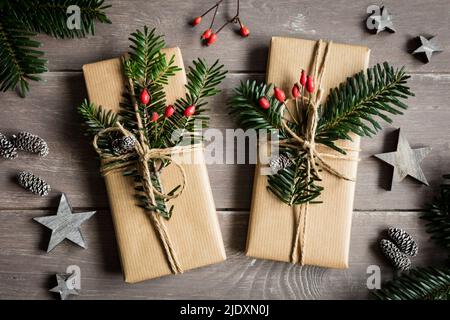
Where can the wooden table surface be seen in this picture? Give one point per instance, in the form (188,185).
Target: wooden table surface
(27,271)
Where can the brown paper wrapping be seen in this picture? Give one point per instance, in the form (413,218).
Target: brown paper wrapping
(326,225)
(193,228)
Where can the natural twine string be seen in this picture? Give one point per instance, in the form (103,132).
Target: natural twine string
(308,144)
(112,163)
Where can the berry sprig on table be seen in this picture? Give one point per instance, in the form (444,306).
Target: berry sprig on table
(209,36)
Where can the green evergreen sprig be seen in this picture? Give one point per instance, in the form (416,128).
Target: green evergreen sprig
(21,20)
(431,283)
(355,106)
(150,69)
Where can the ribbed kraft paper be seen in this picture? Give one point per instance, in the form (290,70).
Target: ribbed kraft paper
(193,228)
(327,226)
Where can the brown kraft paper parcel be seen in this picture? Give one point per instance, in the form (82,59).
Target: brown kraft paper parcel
(193,228)
(326,226)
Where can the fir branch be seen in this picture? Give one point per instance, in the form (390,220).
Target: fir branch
(50,16)
(290,185)
(438,217)
(19,58)
(148,69)
(418,284)
(202,83)
(354,105)
(96,118)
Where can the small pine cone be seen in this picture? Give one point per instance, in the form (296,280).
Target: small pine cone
(7,148)
(33,183)
(404,241)
(30,142)
(279,163)
(123,145)
(394,255)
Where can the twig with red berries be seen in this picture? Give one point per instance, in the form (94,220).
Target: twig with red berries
(354,107)
(145,112)
(209,36)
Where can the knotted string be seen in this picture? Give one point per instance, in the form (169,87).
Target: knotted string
(140,159)
(307,143)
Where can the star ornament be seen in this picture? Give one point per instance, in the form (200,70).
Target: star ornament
(406,161)
(62,288)
(382,21)
(428,47)
(65,224)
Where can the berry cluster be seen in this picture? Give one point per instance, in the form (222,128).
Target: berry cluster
(209,36)
(145,99)
(298,91)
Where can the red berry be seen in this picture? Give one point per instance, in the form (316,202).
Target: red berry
(310,86)
(196,21)
(279,94)
(295,91)
(169,111)
(264,103)
(144,97)
(212,38)
(303,78)
(189,111)
(206,34)
(155,117)
(245,32)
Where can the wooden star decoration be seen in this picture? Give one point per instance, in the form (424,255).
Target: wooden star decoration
(62,288)
(382,21)
(406,161)
(65,224)
(428,47)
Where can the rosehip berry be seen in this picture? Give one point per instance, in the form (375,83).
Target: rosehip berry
(189,111)
(169,111)
(279,94)
(206,34)
(245,32)
(144,97)
(295,91)
(212,38)
(310,86)
(155,117)
(264,103)
(196,21)
(303,78)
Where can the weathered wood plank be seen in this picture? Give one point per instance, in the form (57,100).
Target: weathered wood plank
(26,271)
(71,167)
(340,21)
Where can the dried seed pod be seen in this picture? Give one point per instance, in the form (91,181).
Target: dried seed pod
(404,241)
(123,145)
(7,148)
(279,163)
(33,183)
(30,142)
(399,260)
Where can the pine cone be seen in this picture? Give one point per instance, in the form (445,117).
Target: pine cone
(33,183)
(279,163)
(404,241)
(123,145)
(30,142)
(394,255)
(7,148)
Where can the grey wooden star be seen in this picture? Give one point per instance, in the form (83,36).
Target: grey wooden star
(406,161)
(62,288)
(383,21)
(428,47)
(65,224)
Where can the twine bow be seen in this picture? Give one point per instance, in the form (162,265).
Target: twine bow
(307,143)
(113,163)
